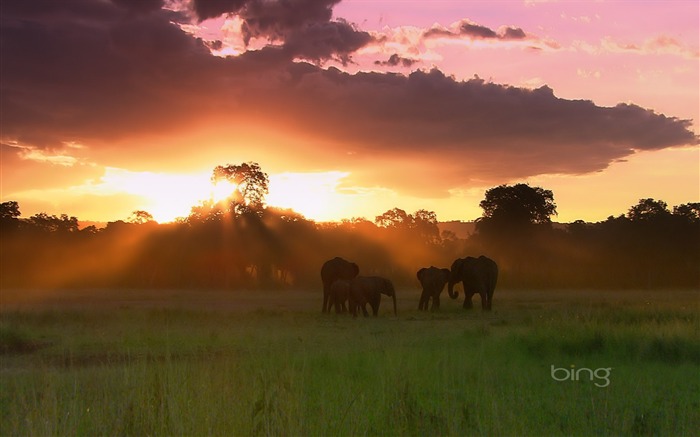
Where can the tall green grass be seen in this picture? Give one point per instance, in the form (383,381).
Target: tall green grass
(179,371)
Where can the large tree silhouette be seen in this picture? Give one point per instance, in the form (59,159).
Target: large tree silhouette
(509,208)
(251,185)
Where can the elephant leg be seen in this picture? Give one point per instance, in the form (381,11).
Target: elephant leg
(484,301)
(423,303)
(364,309)
(489,299)
(436,303)
(325,308)
(467,295)
(468,301)
(337,305)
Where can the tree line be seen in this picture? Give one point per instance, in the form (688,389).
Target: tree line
(242,243)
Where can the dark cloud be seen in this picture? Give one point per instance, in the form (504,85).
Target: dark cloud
(303,27)
(277,19)
(321,41)
(395,60)
(475,31)
(131,85)
(513,33)
(214,8)
(140,6)
(475,130)
(268,18)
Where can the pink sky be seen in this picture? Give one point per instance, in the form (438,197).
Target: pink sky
(131,112)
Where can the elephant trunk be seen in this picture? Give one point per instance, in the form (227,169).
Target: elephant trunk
(450,289)
(393,297)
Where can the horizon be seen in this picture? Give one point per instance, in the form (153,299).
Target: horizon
(352,108)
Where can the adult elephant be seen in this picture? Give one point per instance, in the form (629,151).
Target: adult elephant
(478,275)
(339,294)
(331,271)
(369,289)
(433,280)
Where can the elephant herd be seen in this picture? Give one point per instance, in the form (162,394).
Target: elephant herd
(342,283)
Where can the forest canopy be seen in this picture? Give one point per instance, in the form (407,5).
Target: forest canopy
(240,242)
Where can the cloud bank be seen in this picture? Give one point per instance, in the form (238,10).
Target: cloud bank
(103,73)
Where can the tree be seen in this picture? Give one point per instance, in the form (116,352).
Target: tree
(250,182)
(515,207)
(688,211)
(9,210)
(9,216)
(648,210)
(426,224)
(394,218)
(51,223)
(422,223)
(140,217)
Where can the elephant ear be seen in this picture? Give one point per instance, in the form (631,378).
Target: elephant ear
(355,269)
(420,273)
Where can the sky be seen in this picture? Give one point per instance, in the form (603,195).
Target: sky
(352,107)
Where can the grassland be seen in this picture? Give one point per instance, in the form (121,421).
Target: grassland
(268,363)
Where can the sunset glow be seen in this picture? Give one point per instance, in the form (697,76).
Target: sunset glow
(352,108)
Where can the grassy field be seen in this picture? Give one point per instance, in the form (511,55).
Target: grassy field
(268,363)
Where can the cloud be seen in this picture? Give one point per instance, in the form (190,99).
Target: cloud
(659,45)
(25,168)
(130,85)
(303,27)
(471,30)
(395,60)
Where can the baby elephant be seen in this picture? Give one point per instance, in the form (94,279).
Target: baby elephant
(369,289)
(339,294)
(433,280)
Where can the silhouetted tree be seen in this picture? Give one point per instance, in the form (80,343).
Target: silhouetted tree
(426,224)
(649,210)
(51,223)
(359,224)
(394,218)
(517,205)
(141,217)
(9,216)
(251,185)
(513,228)
(690,212)
(206,211)
(9,210)
(422,223)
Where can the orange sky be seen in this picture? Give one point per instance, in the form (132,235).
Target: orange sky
(351,107)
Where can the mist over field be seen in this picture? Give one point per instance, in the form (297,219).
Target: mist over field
(219,247)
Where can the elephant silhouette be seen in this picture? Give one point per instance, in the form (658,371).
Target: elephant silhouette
(433,281)
(331,271)
(478,275)
(369,289)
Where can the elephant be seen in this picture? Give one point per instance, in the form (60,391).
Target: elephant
(369,289)
(433,280)
(478,275)
(339,294)
(331,271)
